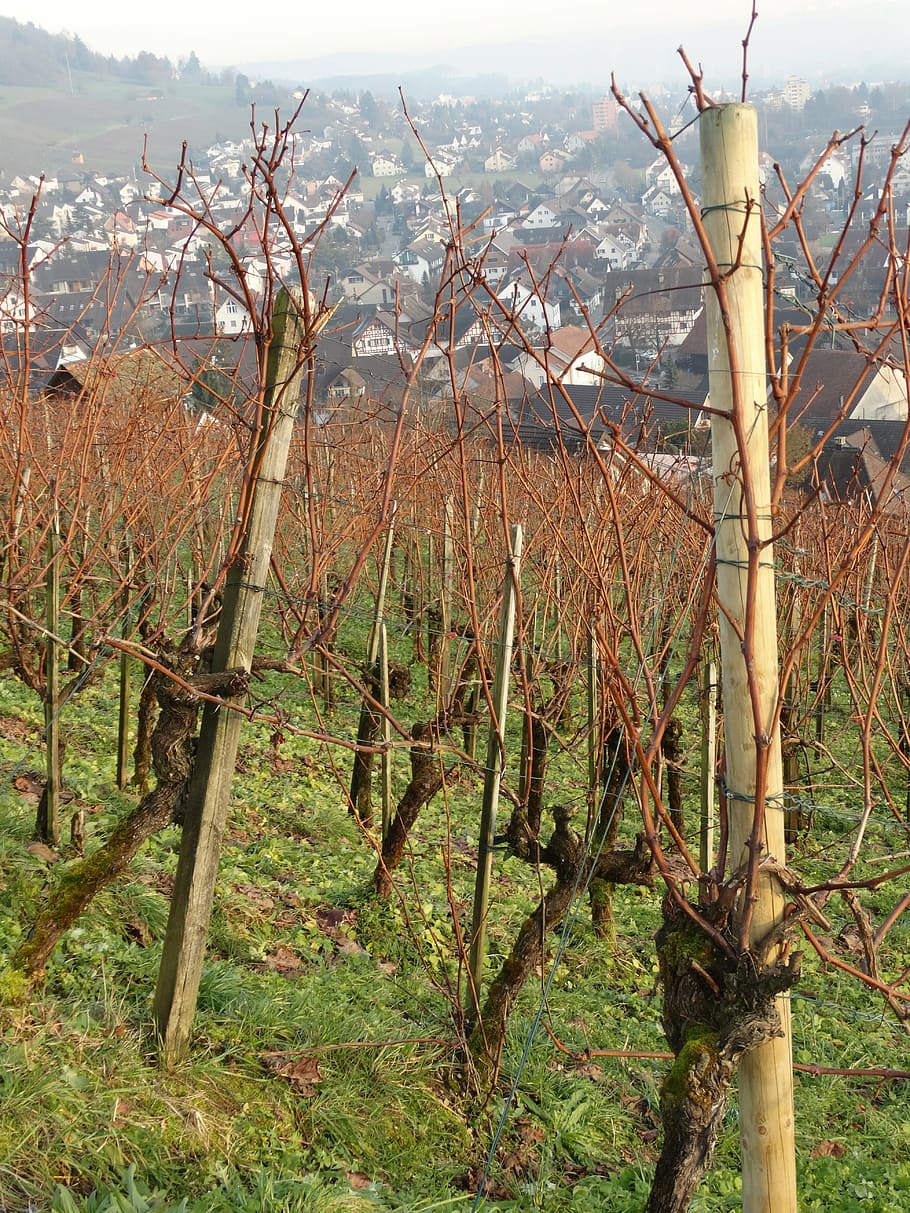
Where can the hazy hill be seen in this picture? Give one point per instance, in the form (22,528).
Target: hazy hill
(30,57)
(62,105)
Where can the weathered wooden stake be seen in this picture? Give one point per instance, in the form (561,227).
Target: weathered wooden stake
(748,629)
(707,845)
(790,746)
(444,676)
(823,681)
(386,730)
(362,767)
(593,705)
(123,725)
(210,785)
(47,825)
(495,762)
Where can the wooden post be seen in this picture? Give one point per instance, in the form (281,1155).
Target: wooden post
(210,785)
(822,682)
(386,729)
(324,679)
(495,762)
(707,845)
(362,768)
(593,709)
(78,648)
(373,642)
(123,725)
(444,677)
(793,813)
(557,612)
(748,628)
(48,822)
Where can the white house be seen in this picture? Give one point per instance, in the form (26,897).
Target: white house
(615,251)
(231,317)
(526,304)
(541,216)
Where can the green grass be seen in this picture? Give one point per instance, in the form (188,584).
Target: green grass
(305,967)
(106,122)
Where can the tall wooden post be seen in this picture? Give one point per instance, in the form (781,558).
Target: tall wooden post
(382,662)
(123,725)
(823,681)
(444,677)
(210,786)
(593,706)
(748,625)
(48,820)
(707,845)
(362,769)
(495,762)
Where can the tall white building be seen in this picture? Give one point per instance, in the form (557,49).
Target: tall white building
(796,93)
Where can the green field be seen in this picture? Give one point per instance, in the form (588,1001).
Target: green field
(324,1073)
(107,123)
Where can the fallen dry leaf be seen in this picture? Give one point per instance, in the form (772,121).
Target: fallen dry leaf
(302,1073)
(12,728)
(30,786)
(588,1069)
(138,931)
(351,946)
(41,851)
(829,1149)
(283,960)
(256,895)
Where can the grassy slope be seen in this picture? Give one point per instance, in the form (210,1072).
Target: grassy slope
(303,961)
(41,130)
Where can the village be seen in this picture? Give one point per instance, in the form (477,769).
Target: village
(573,246)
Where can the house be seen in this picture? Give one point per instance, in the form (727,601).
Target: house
(122,230)
(529,304)
(384,164)
(499,161)
(119,378)
(231,317)
(829,386)
(553,160)
(440,165)
(659,174)
(659,202)
(348,381)
(497,219)
(866,463)
(532,143)
(654,309)
(541,216)
(421,261)
(455,325)
(605,417)
(569,355)
(616,251)
(363,285)
(360,331)
(16,312)
(492,265)
(579,140)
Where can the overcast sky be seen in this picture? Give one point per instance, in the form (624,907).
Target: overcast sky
(231,34)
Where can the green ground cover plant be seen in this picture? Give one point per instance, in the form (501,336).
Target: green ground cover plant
(324,1068)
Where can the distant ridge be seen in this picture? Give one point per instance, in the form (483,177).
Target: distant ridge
(833,44)
(30,57)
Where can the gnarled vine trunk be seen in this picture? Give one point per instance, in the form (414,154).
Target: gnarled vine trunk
(173,746)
